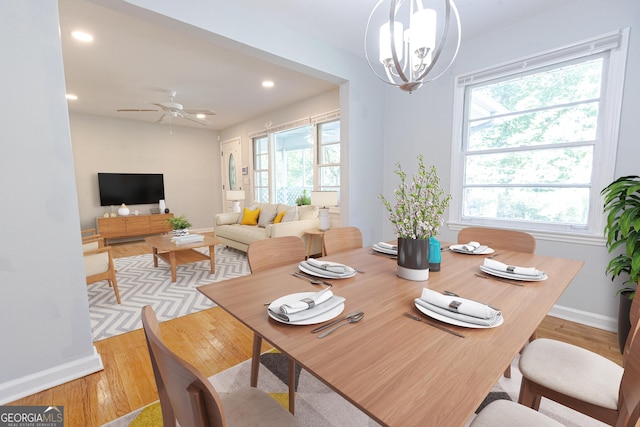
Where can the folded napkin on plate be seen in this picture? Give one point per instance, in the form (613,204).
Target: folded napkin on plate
(471,246)
(499,266)
(327,269)
(317,310)
(462,309)
(306,303)
(389,246)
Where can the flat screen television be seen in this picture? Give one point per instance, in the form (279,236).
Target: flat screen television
(130,188)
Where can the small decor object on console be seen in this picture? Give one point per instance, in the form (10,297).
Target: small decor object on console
(123,210)
(162,206)
(180,225)
(416,216)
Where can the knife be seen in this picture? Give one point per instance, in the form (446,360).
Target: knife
(348,316)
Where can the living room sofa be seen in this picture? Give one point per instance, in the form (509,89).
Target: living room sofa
(293,221)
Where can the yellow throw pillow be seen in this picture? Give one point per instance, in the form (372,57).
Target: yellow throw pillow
(278,217)
(250,217)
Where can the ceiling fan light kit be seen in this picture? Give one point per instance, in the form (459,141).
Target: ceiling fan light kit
(173,109)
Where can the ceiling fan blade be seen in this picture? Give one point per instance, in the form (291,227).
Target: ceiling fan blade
(161,119)
(206,112)
(122,110)
(195,119)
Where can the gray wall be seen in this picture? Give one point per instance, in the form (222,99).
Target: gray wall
(45,329)
(188,157)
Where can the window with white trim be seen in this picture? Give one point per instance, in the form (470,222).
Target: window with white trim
(536,139)
(296,158)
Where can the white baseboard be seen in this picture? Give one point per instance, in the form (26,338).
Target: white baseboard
(585,318)
(39,381)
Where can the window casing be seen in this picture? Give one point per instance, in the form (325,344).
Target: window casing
(296,157)
(535,140)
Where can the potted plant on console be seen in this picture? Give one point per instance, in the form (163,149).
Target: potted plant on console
(416,217)
(622,230)
(180,225)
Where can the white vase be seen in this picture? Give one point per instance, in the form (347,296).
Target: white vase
(123,210)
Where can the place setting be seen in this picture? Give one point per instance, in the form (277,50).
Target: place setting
(512,272)
(458,311)
(326,269)
(306,308)
(472,248)
(385,248)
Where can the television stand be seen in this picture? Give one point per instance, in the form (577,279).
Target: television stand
(132,226)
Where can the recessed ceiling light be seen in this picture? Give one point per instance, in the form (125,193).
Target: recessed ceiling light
(71,97)
(82,36)
(201,116)
(267,83)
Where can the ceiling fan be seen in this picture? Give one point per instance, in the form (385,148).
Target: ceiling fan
(173,109)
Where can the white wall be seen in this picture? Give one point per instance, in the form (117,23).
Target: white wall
(422,123)
(45,330)
(323,103)
(188,157)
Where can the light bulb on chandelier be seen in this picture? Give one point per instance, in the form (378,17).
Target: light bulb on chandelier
(414,41)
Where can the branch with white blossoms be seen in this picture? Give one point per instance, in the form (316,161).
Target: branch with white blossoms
(419,207)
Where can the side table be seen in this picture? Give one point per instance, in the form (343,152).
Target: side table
(312,232)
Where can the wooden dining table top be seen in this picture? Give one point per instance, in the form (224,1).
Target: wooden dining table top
(399,371)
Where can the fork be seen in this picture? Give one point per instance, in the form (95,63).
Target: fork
(442,328)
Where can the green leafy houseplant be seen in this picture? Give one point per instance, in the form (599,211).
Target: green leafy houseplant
(417,213)
(622,205)
(304,199)
(179,222)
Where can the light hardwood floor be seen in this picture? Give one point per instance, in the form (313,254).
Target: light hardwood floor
(212,341)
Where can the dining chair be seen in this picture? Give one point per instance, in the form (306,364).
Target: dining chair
(499,238)
(275,252)
(341,239)
(92,242)
(188,397)
(576,377)
(593,381)
(263,255)
(99,266)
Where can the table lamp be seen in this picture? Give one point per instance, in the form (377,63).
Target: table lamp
(323,199)
(235,196)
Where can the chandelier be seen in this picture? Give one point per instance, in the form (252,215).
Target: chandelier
(412,43)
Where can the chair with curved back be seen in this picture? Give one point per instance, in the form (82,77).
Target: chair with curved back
(263,255)
(189,397)
(275,252)
(578,378)
(99,266)
(499,238)
(341,239)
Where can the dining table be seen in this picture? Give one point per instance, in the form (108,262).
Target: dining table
(399,371)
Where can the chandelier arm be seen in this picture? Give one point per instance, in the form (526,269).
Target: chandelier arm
(394,53)
(450,6)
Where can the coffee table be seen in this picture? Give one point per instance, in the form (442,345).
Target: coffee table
(180,254)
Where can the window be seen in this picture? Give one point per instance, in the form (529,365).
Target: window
(537,139)
(297,157)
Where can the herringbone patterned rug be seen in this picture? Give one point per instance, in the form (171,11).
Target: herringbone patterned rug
(140,283)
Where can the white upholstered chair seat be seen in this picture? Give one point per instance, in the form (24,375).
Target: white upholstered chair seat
(505,413)
(96,263)
(575,372)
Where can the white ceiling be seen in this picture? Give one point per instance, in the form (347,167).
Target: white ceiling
(132,63)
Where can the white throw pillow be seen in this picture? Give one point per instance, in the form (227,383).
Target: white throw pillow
(291,214)
(266,217)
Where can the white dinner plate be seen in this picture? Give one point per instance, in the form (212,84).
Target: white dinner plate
(460,249)
(327,315)
(377,248)
(455,322)
(325,276)
(521,277)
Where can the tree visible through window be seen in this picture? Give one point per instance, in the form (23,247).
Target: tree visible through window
(530,143)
